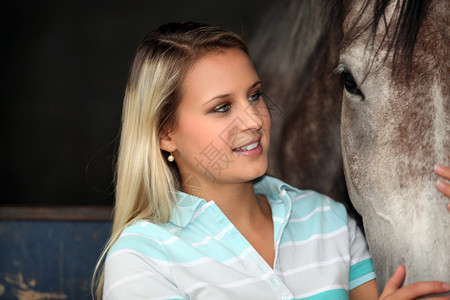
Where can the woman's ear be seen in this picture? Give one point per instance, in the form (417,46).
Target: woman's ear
(166,141)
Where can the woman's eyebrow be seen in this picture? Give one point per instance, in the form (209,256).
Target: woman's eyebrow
(259,82)
(217,97)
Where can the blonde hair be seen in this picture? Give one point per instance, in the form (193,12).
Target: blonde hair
(146,183)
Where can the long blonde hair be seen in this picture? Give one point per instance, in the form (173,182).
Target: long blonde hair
(146,183)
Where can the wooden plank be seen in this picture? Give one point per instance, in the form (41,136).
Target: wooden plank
(69,213)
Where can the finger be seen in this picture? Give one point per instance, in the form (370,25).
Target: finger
(444,187)
(424,288)
(442,170)
(439,298)
(395,282)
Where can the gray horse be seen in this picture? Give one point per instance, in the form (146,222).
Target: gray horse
(395,117)
(395,128)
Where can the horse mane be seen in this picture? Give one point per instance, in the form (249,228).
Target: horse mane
(401,32)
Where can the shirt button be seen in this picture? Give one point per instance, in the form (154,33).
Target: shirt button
(281,194)
(274,282)
(284,296)
(261,267)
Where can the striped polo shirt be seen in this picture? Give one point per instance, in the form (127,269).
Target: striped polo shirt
(320,252)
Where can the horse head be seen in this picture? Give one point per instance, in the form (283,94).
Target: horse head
(395,127)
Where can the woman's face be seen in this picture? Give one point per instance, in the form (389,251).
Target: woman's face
(222,128)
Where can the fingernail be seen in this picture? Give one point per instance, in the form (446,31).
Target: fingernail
(446,286)
(439,168)
(440,185)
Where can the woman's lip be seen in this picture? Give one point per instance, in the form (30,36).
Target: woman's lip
(250,153)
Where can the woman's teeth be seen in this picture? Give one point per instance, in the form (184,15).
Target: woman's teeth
(248,147)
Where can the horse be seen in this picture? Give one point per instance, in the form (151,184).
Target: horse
(391,97)
(395,127)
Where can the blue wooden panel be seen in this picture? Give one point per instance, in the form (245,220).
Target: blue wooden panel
(49,259)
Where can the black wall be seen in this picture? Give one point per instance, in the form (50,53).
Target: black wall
(63,71)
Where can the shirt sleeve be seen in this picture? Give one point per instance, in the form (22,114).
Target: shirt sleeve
(130,274)
(361,268)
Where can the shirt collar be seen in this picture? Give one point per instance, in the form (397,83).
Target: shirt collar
(183,213)
(270,186)
(187,205)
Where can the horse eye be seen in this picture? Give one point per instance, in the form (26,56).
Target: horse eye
(350,84)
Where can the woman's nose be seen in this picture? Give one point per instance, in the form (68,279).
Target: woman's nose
(250,117)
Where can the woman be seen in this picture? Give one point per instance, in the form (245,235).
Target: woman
(195,217)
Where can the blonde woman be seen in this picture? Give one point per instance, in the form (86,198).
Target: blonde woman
(196,217)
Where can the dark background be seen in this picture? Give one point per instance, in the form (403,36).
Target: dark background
(64,66)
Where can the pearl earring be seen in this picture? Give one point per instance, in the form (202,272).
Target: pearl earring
(170,157)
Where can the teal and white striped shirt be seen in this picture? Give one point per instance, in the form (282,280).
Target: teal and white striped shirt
(199,254)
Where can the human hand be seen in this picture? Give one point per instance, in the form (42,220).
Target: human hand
(442,185)
(394,291)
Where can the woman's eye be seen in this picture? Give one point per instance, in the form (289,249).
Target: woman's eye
(222,108)
(255,96)
(350,84)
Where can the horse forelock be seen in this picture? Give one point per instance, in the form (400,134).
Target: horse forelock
(392,28)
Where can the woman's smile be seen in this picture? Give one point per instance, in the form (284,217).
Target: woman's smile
(251,149)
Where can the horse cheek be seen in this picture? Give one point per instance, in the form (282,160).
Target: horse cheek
(355,148)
